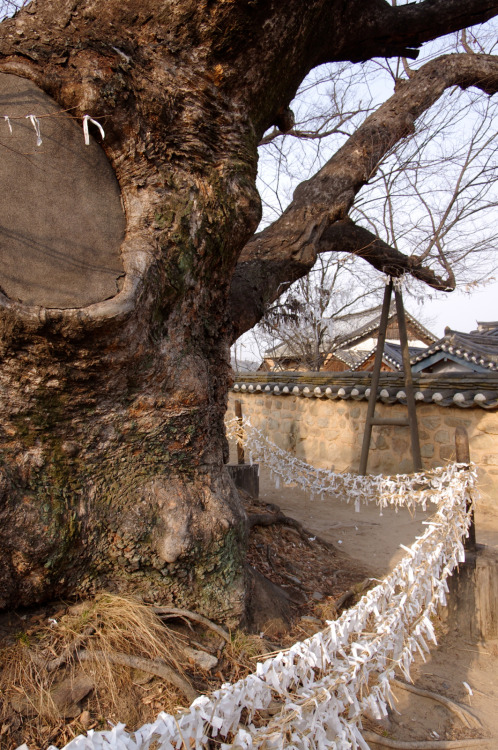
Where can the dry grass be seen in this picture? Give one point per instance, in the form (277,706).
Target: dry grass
(241,654)
(33,667)
(35,663)
(42,657)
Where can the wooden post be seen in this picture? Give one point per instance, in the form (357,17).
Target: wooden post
(407,371)
(473,599)
(245,476)
(367,435)
(240,448)
(462,453)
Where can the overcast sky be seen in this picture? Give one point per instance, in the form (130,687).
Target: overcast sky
(457,310)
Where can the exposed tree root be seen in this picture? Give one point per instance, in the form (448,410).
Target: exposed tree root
(170,613)
(151,666)
(277,517)
(465,716)
(54,664)
(357,589)
(424,744)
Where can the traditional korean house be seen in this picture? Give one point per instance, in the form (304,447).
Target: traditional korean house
(356,350)
(352,347)
(476,351)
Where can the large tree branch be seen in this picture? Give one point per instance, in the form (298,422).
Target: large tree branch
(387,31)
(357,30)
(287,249)
(346,236)
(253,283)
(259,51)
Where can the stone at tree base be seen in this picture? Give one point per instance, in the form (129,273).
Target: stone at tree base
(67,694)
(245,477)
(62,221)
(201,658)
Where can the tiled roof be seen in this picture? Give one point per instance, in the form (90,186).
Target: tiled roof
(347,325)
(348,328)
(372,321)
(464,390)
(479,347)
(393,354)
(487,328)
(351,357)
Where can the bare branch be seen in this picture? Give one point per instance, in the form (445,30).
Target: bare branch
(287,249)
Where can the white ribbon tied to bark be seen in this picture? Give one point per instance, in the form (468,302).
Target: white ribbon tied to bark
(86,134)
(36,124)
(326,683)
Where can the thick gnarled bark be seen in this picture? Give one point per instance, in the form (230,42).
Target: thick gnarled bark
(112,415)
(111,438)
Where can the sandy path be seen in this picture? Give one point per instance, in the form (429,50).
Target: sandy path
(368,536)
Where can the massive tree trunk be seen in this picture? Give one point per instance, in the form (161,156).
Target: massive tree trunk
(111,434)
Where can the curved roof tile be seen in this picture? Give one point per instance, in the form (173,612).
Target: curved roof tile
(462,390)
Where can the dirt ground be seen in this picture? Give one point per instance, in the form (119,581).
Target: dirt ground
(459,664)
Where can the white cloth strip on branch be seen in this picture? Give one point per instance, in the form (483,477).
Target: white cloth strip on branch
(36,125)
(326,683)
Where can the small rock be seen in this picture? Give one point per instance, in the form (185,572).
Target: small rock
(317,596)
(201,658)
(85,719)
(67,694)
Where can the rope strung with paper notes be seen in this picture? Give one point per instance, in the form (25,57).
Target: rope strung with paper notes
(326,683)
(405,490)
(35,121)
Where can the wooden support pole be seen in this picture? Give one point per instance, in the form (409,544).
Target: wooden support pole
(407,371)
(240,448)
(375,377)
(462,453)
(473,597)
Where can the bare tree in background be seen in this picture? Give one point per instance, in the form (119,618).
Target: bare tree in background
(298,331)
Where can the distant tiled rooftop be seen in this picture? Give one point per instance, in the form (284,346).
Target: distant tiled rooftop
(478,348)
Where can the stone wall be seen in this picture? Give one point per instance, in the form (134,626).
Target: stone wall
(328,432)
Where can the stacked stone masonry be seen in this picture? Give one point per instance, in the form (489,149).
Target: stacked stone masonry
(322,420)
